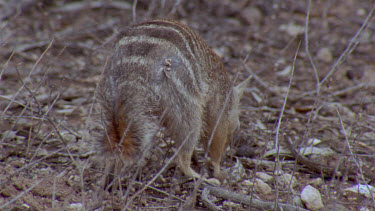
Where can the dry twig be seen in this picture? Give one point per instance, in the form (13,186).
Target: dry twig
(244,199)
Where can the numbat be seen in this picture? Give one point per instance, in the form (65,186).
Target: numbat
(163,75)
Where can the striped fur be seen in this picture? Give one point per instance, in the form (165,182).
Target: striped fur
(162,74)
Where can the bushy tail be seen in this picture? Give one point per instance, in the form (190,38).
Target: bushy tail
(117,137)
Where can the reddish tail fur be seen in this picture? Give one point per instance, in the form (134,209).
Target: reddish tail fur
(119,137)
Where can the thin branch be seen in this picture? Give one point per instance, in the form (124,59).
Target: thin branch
(277,144)
(351,46)
(244,199)
(134,8)
(354,158)
(307,46)
(209,204)
(286,98)
(27,78)
(20,195)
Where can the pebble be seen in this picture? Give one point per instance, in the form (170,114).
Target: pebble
(316,182)
(366,190)
(262,187)
(324,55)
(237,172)
(252,15)
(312,198)
(75,206)
(17,163)
(247,183)
(285,180)
(265,177)
(292,29)
(42,152)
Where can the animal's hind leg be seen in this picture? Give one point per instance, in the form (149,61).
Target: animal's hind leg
(217,148)
(186,151)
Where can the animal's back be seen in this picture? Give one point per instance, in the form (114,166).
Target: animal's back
(164,74)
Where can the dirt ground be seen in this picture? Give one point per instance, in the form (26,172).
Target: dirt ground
(52,54)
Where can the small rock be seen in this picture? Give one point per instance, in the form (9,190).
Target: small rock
(42,153)
(247,183)
(286,179)
(45,171)
(232,205)
(79,101)
(278,172)
(316,151)
(313,141)
(214,181)
(366,190)
(67,111)
(324,55)
(292,29)
(222,51)
(252,15)
(75,206)
(9,135)
(297,201)
(43,98)
(69,138)
(273,152)
(355,74)
(20,140)
(285,72)
(259,123)
(262,187)
(73,180)
(360,12)
(316,182)
(26,206)
(265,177)
(312,198)
(246,151)
(335,206)
(25,123)
(237,172)
(161,179)
(17,163)
(9,191)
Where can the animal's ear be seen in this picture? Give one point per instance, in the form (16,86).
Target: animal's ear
(237,94)
(238,90)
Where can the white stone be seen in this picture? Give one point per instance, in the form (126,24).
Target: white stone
(285,72)
(237,172)
(214,181)
(324,55)
(312,198)
(286,179)
(75,206)
(316,151)
(316,182)
(313,141)
(297,201)
(42,153)
(366,190)
(265,177)
(292,29)
(247,183)
(262,187)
